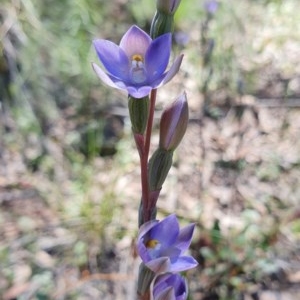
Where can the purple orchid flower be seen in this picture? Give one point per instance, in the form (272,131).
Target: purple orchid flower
(170,287)
(138,64)
(161,245)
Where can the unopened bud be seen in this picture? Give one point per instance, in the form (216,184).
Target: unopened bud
(167,6)
(158,168)
(173,123)
(163,21)
(144,279)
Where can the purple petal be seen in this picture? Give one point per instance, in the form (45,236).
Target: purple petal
(185,237)
(139,92)
(183,263)
(146,227)
(135,41)
(107,79)
(143,251)
(113,58)
(172,72)
(165,281)
(162,282)
(166,231)
(159,265)
(172,252)
(141,248)
(167,294)
(157,56)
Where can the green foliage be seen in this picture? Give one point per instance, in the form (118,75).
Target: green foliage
(59,39)
(237,259)
(142,11)
(80,253)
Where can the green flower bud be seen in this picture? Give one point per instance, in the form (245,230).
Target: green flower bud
(173,123)
(162,23)
(158,168)
(144,279)
(167,6)
(138,112)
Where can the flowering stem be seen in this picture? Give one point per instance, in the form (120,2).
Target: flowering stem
(144,163)
(143,145)
(145,187)
(150,121)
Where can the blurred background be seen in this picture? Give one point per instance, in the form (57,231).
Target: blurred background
(69,171)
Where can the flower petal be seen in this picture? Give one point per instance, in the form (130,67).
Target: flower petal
(135,41)
(185,237)
(146,227)
(164,282)
(183,263)
(143,251)
(166,294)
(113,58)
(139,92)
(157,56)
(159,265)
(171,73)
(172,252)
(107,79)
(166,231)
(143,232)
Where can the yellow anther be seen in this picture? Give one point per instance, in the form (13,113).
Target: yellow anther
(137,57)
(152,243)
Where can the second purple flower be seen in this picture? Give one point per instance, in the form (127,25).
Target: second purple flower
(161,245)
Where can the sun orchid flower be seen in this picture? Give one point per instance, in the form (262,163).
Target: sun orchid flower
(138,64)
(161,245)
(170,287)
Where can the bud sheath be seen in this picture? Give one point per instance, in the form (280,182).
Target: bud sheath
(138,112)
(158,168)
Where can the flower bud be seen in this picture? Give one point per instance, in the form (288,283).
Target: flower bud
(144,279)
(138,112)
(158,168)
(162,23)
(173,123)
(167,6)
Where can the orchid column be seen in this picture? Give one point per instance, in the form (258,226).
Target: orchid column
(138,66)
